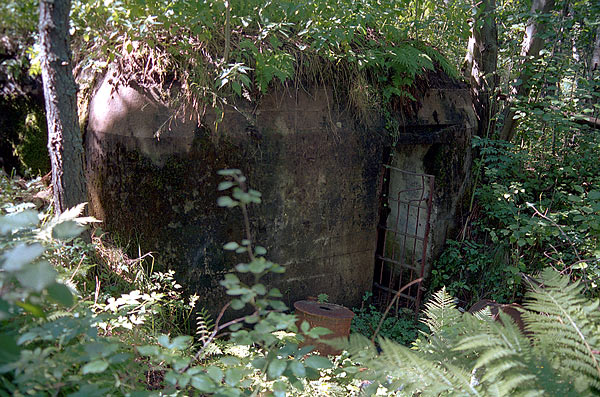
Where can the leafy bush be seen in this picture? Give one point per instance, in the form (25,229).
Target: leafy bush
(55,343)
(532,211)
(464,354)
(402,328)
(471,271)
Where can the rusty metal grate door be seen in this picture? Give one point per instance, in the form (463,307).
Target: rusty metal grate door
(403,234)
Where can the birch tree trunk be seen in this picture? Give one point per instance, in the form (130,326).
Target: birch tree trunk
(60,96)
(530,51)
(481,61)
(595,62)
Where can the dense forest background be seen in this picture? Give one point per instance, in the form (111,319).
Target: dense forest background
(80,316)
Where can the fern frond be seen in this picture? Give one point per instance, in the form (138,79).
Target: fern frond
(213,349)
(505,356)
(440,311)
(204,325)
(359,347)
(421,373)
(58,314)
(565,326)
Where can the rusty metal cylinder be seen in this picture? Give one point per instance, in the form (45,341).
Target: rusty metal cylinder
(336,318)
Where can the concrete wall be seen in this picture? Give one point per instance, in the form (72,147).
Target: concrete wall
(318,171)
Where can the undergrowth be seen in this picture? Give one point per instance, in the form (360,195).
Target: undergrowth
(82,319)
(402,327)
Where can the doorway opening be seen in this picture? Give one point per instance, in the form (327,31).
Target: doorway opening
(402,237)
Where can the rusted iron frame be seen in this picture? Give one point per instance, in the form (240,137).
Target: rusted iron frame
(393,291)
(409,205)
(426,238)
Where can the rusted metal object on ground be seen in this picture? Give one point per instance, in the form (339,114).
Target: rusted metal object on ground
(512,309)
(336,318)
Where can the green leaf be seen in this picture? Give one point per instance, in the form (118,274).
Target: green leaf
(94,367)
(237,291)
(254,193)
(37,276)
(233,376)
(148,350)
(276,368)
(317,362)
(304,326)
(9,351)
(594,195)
(312,374)
(230,246)
(230,361)
(318,331)
(225,185)
(67,230)
(5,310)
(237,304)
(279,389)
(171,377)
(297,369)
(181,342)
(215,373)
(31,308)
(260,250)
(163,340)
(22,254)
(20,220)
(257,266)
(61,294)
(260,289)
(259,363)
(203,383)
(89,390)
(226,201)
(229,172)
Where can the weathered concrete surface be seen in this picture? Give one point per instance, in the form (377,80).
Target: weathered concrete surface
(447,111)
(449,163)
(318,171)
(318,175)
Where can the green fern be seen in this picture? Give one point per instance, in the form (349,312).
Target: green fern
(440,311)
(204,325)
(565,326)
(472,355)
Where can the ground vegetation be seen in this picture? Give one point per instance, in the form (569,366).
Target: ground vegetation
(80,317)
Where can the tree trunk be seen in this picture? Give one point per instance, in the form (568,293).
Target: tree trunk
(481,61)
(60,95)
(595,62)
(530,50)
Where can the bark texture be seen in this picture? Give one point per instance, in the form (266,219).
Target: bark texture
(530,50)
(595,63)
(481,61)
(60,96)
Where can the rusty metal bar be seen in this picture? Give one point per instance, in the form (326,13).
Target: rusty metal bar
(401,264)
(426,237)
(393,291)
(391,167)
(398,262)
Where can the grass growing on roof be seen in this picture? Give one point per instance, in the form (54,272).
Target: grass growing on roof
(195,54)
